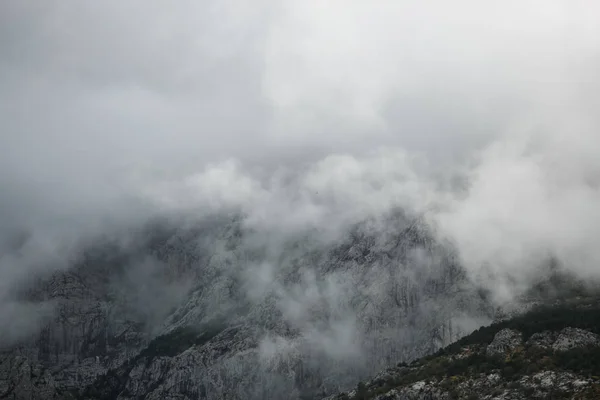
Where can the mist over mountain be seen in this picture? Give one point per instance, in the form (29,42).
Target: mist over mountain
(299,193)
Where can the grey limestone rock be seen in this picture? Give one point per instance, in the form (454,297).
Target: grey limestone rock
(505,341)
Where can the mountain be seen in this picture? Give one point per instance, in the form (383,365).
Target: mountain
(218,309)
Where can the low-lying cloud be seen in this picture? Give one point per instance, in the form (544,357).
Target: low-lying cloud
(304,115)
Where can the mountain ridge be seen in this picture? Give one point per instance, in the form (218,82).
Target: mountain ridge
(215,310)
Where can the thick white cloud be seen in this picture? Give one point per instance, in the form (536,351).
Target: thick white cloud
(114,111)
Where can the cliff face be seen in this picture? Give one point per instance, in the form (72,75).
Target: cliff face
(86,335)
(215,310)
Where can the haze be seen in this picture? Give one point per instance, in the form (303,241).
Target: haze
(483,115)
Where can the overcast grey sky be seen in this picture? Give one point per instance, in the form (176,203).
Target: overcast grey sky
(111,109)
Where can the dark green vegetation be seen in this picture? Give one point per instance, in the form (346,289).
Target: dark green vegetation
(109,385)
(178,341)
(466,359)
(585,316)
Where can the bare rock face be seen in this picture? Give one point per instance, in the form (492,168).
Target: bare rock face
(571,338)
(87,334)
(313,318)
(504,342)
(566,339)
(22,379)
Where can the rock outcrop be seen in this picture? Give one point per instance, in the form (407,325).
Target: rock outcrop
(572,338)
(505,341)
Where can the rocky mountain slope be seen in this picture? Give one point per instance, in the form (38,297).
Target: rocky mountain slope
(217,310)
(550,352)
(214,309)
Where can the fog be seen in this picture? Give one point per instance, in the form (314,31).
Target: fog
(480,116)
